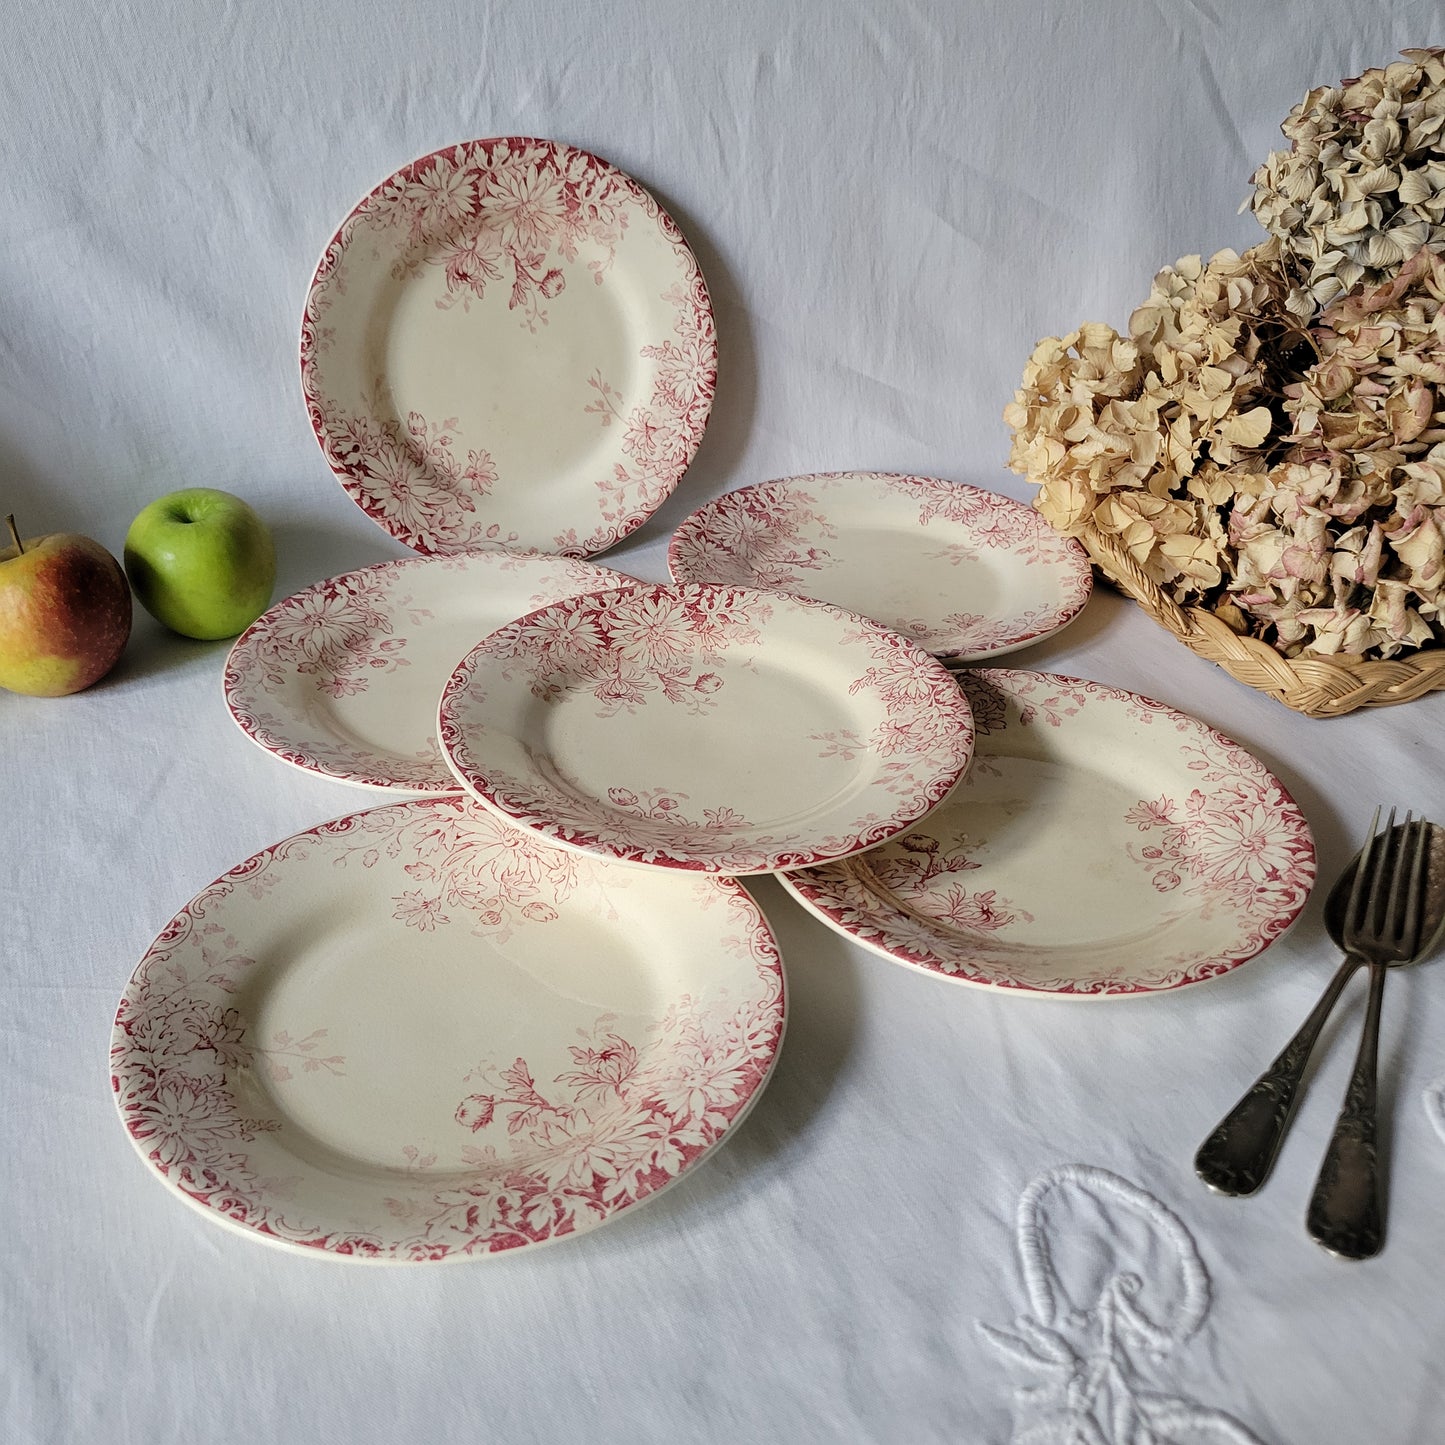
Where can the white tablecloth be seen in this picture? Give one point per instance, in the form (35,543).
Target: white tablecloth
(890,204)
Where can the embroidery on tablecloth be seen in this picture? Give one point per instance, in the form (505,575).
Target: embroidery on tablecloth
(1115,1285)
(1434,1101)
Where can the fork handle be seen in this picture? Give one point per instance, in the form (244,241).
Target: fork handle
(1237,1157)
(1346,1215)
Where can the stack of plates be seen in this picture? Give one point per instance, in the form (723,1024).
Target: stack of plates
(528,993)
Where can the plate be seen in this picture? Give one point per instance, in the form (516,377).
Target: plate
(717,728)
(1103,845)
(508,343)
(343,677)
(963,572)
(416,1033)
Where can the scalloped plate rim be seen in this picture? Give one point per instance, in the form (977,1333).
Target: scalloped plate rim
(761,927)
(1063,616)
(231,687)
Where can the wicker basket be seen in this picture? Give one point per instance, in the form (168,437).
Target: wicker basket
(1315,686)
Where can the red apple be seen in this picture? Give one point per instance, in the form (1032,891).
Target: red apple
(65,613)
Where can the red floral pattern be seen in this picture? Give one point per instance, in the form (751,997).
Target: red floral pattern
(527,217)
(913,873)
(627,647)
(342,636)
(625,1120)
(338,632)
(978,635)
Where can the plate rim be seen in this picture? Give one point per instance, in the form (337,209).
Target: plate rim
(797,886)
(1071,547)
(708,374)
(296,757)
(761,931)
(563,836)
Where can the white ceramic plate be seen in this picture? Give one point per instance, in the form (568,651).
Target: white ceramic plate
(1103,845)
(508,343)
(418,1033)
(343,677)
(963,572)
(718,728)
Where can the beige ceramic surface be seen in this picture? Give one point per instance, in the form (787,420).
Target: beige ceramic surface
(718,728)
(963,572)
(1102,845)
(419,1033)
(343,677)
(508,343)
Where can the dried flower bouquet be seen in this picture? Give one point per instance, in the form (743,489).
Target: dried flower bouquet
(1267,444)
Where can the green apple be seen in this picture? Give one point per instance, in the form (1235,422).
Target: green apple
(65,613)
(202,562)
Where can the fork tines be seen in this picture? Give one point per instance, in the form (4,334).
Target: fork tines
(1386,898)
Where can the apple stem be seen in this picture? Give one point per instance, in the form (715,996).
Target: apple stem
(19,545)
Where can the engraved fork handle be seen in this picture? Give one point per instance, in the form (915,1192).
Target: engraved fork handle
(1345,1213)
(1237,1157)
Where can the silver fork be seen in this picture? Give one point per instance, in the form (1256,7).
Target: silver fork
(1346,1213)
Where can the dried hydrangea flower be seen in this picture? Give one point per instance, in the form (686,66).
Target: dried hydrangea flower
(1133,436)
(1362,187)
(1070,386)
(1321,567)
(1292,481)
(1370,400)
(1361,491)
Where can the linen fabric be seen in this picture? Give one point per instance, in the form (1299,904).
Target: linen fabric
(941,1200)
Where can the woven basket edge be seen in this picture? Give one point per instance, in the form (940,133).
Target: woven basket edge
(1315,686)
